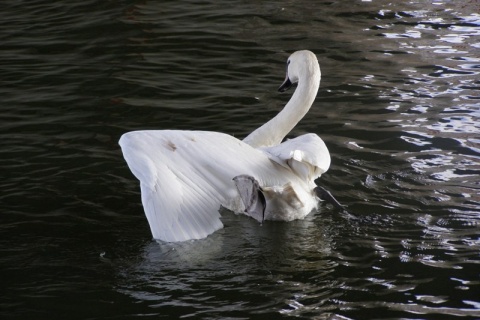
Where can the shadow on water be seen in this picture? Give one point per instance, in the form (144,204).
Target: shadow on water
(245,265)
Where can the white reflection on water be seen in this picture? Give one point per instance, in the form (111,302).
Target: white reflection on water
(437,106)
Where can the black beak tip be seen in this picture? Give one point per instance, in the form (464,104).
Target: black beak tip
(285,85)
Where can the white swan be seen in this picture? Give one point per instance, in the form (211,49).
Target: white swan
(185,176)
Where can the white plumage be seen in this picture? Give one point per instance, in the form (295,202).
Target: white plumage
(185,176)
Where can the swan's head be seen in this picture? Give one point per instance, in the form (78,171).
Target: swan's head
(300,64)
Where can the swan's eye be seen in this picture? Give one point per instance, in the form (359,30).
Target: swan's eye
(288,62)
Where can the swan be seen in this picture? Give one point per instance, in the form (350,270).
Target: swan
(186,176)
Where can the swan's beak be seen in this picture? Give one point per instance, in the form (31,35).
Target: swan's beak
(285,85)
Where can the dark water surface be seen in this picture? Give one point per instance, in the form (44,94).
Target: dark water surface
(399,109)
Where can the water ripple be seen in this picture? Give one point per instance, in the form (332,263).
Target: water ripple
(398,109)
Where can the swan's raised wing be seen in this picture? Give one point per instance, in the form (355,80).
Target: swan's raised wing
(185,176)
(177,205)
(306,155)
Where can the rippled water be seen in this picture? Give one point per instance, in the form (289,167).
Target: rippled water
(398,108)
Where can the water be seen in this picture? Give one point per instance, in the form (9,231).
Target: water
(398,108)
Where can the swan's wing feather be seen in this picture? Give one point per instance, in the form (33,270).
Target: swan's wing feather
(181,200)
(307,155)
(251,195)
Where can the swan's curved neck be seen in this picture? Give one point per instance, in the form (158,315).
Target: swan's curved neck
(274,131)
